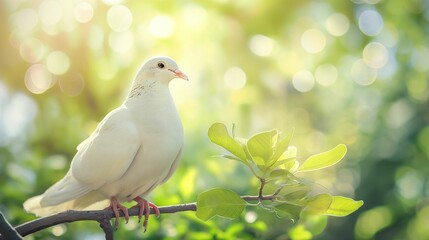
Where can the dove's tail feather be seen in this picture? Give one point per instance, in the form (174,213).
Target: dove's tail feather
(90,201)
(67,194)
(64,190)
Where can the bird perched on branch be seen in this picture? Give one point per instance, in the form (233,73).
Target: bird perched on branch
(135,148)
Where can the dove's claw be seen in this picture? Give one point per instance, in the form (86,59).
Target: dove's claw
(114,206)
(144,208)
(155,209)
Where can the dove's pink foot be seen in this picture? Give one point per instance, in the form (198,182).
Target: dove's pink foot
(144,207)
(115,206)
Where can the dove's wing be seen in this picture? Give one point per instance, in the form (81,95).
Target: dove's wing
(107,154)
(173,166)
(102,157)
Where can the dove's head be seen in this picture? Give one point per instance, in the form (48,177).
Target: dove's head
(162,69)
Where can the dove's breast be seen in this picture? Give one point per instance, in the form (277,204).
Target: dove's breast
(161,136)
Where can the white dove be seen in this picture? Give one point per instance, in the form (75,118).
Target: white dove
(135,148)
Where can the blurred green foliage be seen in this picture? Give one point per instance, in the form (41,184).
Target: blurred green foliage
(352,72)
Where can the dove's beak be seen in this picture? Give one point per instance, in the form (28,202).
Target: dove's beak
(179,74)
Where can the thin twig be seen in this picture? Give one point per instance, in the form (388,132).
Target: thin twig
(257,198)
(107,228)
(261,188)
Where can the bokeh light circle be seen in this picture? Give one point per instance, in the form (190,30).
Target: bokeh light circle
(303,81)
(72,86)
(371,22)
(235,78)
(326,74)
(119,18)
(83,12)
(38,79)
(313,41)
(32,50)
(50,12)
(25,20)
(337,24)
(58,62)
(261,45)
(375,55)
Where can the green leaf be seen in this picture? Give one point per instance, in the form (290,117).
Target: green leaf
(291,165)
(288,210)
(298,193)
(319,204)
(259,161)
(229,157)
(288,192)
(343,206)
(283,161)
(261,145)
(218,134)
(279,173)
(325,159)
(281,147)
(220,202)
(282,177)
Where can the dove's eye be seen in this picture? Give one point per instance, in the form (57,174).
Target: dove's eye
(161,65)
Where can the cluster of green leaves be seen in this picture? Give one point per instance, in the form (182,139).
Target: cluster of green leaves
(270,158)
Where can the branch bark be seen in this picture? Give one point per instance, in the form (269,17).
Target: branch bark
(101,216)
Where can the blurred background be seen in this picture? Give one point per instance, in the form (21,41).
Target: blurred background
(353,72)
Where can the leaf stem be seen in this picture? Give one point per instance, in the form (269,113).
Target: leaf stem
(260,196)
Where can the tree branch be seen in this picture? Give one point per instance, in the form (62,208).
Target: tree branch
(104,216)
(101,216)
(6,230)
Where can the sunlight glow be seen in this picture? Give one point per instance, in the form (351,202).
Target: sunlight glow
(326,74)
(38,79)
(303,81)
(96,37)
(119,18)
(121,42)
(370,22)
(313,41)
(261,45)
(251,217)
(83,12)
(235,78)
(58,62)
(162,26)
(112,2)
(25,20)
(59,230)
(50,12)
(375,55)
(337,24)
(32,50)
